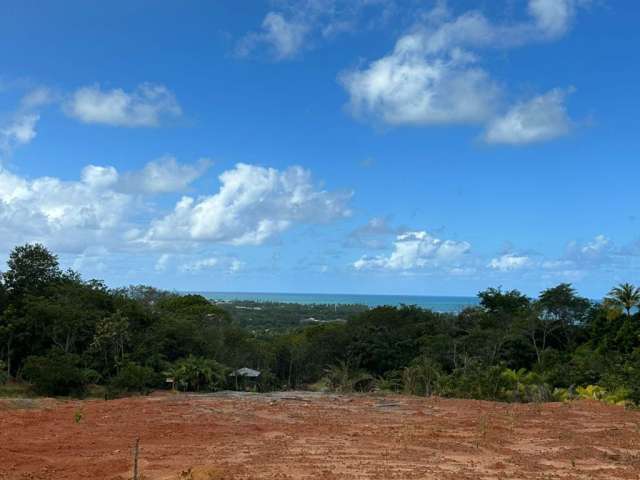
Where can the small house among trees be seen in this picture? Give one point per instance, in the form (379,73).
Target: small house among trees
(246,379)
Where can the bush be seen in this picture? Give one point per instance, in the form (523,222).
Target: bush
(197,373)
(57,374)
(132,378)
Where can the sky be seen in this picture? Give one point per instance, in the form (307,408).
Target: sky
(326,146)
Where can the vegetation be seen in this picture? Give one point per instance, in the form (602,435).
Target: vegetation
(64,335)
(269,318)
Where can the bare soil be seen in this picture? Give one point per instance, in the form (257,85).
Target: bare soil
(311,436)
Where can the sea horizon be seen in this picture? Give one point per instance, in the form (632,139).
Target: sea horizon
(440,303)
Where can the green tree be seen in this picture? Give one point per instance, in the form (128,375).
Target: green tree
(31,268)
(132,378)
(111,339)
(197,373)
(626,296)
(57,373)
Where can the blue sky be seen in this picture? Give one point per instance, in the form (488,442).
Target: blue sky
(365,146)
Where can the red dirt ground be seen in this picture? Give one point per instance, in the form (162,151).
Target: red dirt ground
(304,436)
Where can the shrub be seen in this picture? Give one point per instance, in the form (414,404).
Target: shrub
(132,377)
(422,377)
(197,373)
(523,386)
(57,374)
(345,379)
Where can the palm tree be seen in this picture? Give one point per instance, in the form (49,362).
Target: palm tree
(626,296)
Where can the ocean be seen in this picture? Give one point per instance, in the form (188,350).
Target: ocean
(435,303)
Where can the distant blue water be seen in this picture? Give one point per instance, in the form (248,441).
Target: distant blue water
(435,303)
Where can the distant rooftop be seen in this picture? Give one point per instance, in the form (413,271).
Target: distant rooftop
(245,372)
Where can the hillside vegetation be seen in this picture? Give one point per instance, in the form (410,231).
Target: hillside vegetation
(62,334)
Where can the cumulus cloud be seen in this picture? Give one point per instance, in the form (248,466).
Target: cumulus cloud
(434,76)
(540,119)
(164,175)
(253,205)
(408,87)
(146,106)
(509,262)
(598,250)
(69,215)
(416,250)
(99,209)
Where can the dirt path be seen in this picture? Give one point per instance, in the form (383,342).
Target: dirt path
(298,436)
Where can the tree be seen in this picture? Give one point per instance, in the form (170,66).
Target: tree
(563,304)
(510,302)
(31,268)
(626,296)
(57,373)
(196,373)
(12,328)
(111,338)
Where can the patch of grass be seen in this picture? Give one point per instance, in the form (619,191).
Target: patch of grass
(16,390)
(78,415)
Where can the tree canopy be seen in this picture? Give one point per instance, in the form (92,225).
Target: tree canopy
(63,333)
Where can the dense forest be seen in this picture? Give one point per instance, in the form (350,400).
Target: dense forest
(63,335)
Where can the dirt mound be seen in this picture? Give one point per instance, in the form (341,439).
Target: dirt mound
(297,436)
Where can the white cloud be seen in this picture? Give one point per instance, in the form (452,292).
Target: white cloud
(201,264)
(408,87)
(599,250)
(286,37)
(433,76)
(164,175)
(416,250)
(540,119)
(20,130)
(298,25)
(553,17)
(253,205)
(99,177)
(509,262)
(68,215)
(146,106)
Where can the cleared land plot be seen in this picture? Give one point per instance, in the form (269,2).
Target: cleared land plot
(306,436)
